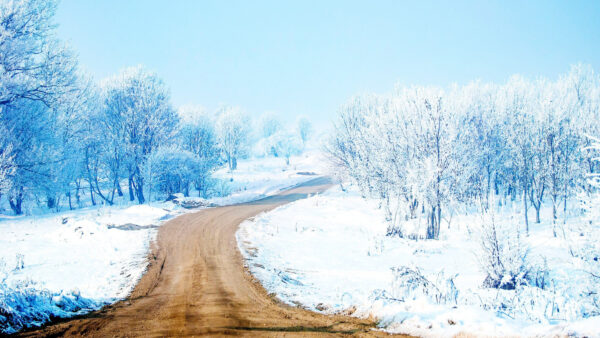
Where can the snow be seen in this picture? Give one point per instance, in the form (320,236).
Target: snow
(261,177)
(76,253)
(329,253)
(83,253)
(68,263)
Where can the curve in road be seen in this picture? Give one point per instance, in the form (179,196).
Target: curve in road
(196,284)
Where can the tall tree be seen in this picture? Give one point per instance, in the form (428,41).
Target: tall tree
(140,117)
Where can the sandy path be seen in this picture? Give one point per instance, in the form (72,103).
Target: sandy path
(196,284)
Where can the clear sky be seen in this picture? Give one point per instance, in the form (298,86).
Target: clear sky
(308,57)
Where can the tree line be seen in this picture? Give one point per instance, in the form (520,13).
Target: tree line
(64,136)
(421,149)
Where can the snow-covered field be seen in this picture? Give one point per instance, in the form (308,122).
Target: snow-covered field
(62,264)
(330,253)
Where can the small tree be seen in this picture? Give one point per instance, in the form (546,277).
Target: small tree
(286,145)
(169,170)
(269,124)
(232,132)
(197,135)
(304,129)
(503,256)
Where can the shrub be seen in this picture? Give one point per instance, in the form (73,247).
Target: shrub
(409,283)
(503,257)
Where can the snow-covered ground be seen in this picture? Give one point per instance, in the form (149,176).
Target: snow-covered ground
(261,177)
(72,255)
(330,253)
(62,264)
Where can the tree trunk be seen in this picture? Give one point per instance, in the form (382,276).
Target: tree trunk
(92,193)
(496,188)
(140,195)
(433,223)
(554,179)
(17,203)
(430,221)
(554,215)
(50,202)
(413,209)
(488,188)
(565,205)
(438,222)
(138,185)
(536,202)
(131,193)
(99,192)
(525,208)
(119,191)
(77,197)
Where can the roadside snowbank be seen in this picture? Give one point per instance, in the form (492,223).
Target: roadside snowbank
(73,256)
(329,253)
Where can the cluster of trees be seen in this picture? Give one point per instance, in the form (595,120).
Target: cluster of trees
(63,136)
(421,149)
(273,139)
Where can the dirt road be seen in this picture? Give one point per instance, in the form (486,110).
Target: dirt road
(196,284)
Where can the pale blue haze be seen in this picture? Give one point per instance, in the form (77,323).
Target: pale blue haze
(307,57)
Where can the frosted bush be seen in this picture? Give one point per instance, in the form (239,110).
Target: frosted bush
(503,256)
(410,283)
(26,304)
(20,261)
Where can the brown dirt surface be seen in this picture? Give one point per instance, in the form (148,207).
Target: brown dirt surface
(196,285)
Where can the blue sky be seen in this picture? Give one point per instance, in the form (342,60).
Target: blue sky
(308,57)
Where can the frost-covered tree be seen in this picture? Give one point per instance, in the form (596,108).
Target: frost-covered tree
(268,125)
(197,135)
(140,118)
(400,150)
(69,129)
(46,145)
(304,129)
(286,144)
(32,143)
(232,134)
(435,135)
(169,170)
(96,162)
(34,64)
(37,77)
(481,145)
